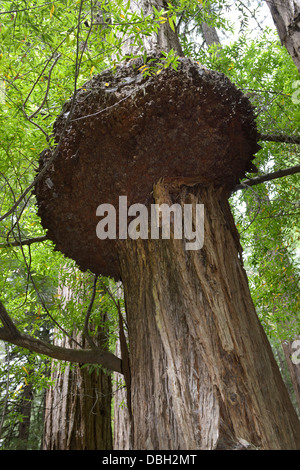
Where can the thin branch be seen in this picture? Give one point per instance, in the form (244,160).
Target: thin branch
(270,176)
(82,356)
(7,322)
(39,295)
(286,139)
(8,12)
(28,241)
(47,90)
(55,152)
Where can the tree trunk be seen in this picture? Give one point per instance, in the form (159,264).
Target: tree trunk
(203,375)
(293,366)
(210,34)
(286,16)
(165,40)
(25,410)
(78,405)
(78,409)
(121,415)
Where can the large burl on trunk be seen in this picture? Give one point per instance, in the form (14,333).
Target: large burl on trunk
(201,374)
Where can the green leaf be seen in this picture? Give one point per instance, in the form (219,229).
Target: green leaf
(171,23)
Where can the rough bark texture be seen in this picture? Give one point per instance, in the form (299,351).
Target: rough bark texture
(165,40)
(294,368)
(122,424)
(203,373)
(210,34)
(286,16)
(78,405)
(78,409)
(129,131)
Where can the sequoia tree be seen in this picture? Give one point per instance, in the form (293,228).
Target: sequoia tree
(200,372)
(286,16)
(78,404)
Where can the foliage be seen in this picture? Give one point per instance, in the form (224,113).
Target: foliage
(268,214)
(48,50)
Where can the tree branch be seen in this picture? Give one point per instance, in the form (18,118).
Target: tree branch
(286,139)
(7,322)
(27,241)
(82,356)
(47,90)
(270,176)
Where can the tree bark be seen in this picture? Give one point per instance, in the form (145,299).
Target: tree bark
(286,16)
(78,409)
(294,368)
(78,405)
(25,410)
(84,356)
(165,40)
(210,34)
(202,371)
(122,424)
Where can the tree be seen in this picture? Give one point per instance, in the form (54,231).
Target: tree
(78,404)
(194,298)
(228,437)
(279,251)
(78,409)
(286,16)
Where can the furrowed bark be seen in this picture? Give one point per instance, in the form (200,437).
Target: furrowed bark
(286,17)
(78,408)
(203,373)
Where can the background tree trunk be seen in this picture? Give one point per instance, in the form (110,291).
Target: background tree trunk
(25,410)
(78,408)
(202,370)
(286,16)
(165,40)
(122,426)
(78,405)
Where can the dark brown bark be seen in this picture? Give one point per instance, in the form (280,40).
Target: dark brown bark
(203,373)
